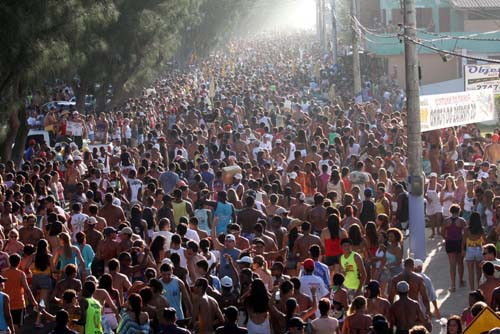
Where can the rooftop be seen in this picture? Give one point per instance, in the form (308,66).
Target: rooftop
(470,4)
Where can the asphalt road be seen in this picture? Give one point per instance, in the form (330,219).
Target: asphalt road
(437,268)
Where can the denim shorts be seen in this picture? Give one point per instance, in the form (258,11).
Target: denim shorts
(474,254)
(41,282)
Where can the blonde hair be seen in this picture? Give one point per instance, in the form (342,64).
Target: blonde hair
(67,243)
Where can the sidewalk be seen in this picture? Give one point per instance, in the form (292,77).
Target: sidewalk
(437,268)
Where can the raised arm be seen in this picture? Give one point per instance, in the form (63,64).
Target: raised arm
(215,241)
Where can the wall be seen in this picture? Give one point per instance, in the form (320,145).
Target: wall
(432,66)
(481,25)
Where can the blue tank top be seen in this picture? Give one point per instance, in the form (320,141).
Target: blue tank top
(3,323)
(224,212)
(63,261)
(202,215)
(172,292)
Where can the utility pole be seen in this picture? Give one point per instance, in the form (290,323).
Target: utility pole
(334,32)
(318,20)
(355,50)
(416,178)
(323,25)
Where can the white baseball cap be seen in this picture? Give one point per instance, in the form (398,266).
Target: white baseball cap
(245,259)
(226,282)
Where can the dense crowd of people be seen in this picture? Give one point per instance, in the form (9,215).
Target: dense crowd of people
(252,193)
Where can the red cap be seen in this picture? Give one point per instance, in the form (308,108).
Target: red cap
(495,138)
(309,264)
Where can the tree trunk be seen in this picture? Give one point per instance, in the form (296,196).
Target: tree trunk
(21,133)
(81,91)
(118,96)
(101,97)
(14,124)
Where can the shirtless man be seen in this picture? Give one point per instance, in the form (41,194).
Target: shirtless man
(192,257)
(313,156)
(7,218)
(103,296)
(490,283)
(269,243)
(71,178)
(350,219)
(317,214)
(300,210)
(239,145)
(101,222)
(205,312)
(416,285)
(296,162)
(107,248)
(93,236)
(30,234)
(492,150)
(304,242)
(113,214)
(120,281)
(375,303)
(293,184)
(159,301)
(405,313)
(248,216)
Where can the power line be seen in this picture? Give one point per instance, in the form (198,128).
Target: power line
(470,37)
(359,26)
(487,60)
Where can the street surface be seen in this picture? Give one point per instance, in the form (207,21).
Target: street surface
(437,268)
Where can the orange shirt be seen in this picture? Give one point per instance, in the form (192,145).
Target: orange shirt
(301,179)
(14,288)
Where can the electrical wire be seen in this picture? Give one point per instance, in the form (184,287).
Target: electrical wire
(487,60)
(358,26)
(470,37)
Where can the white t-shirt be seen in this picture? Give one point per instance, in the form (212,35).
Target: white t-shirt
(325,325)
(359,179)
(193,235)
(325,162)
(78,224)
(180,251)
(308,281)
(167,235)
(135,186)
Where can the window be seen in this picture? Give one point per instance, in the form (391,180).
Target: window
(397,16)
(424,18)
(444,20)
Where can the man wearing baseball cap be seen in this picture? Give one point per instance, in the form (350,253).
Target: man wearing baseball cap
(296,326)
(230,293)
(227,250)
(431,293)
(405,312)
(309,280)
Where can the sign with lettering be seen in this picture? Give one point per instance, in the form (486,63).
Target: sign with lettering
(453,109)
(482,77)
